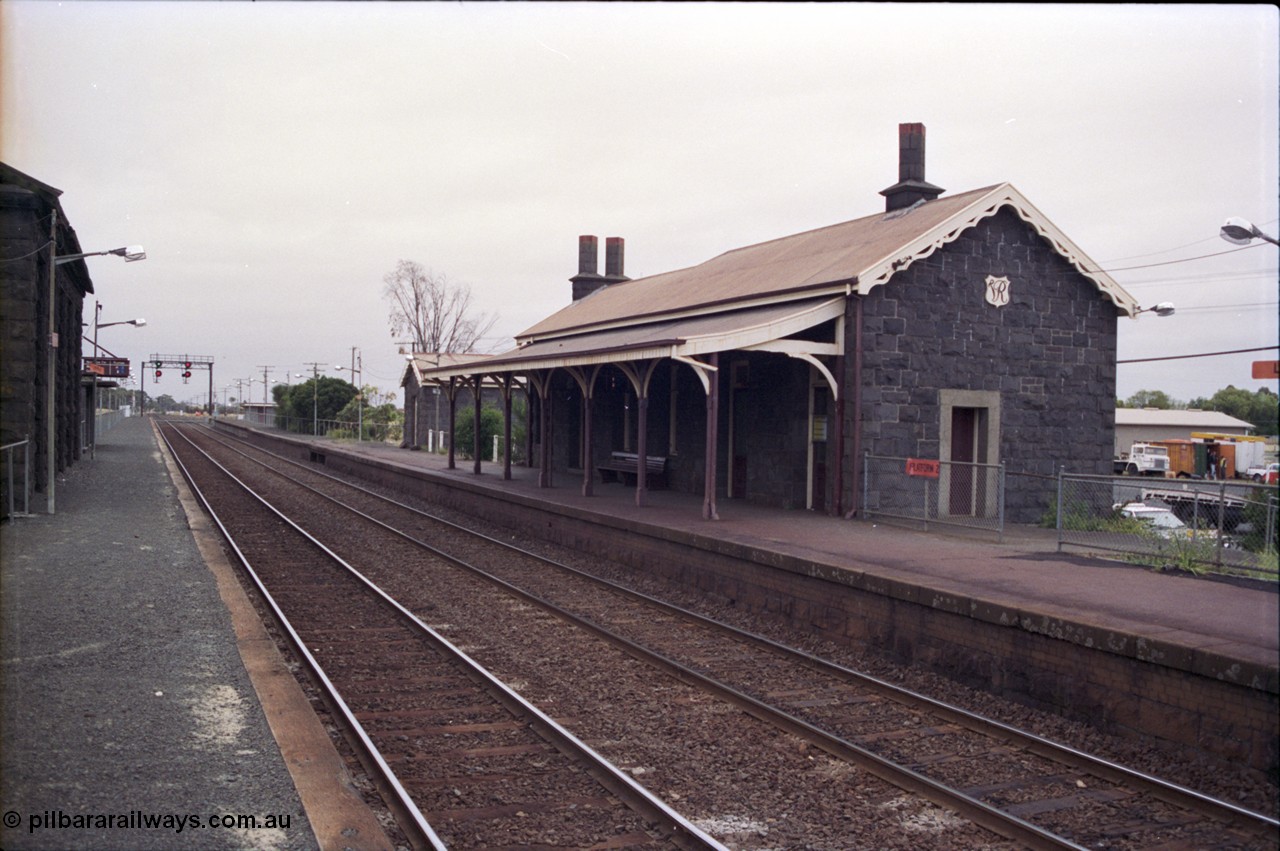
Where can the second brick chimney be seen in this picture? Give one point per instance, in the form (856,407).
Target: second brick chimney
(911,186)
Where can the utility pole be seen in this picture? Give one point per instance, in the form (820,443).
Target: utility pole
(355,373)
(315,397)
(266,371)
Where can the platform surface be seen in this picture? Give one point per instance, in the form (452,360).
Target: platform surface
(127,710)
(1024,572)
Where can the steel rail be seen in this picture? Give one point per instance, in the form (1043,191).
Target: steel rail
(680,830)
(410,817)
(1157,787)
(979,812)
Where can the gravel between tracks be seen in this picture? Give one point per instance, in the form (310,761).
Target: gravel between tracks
(866,809)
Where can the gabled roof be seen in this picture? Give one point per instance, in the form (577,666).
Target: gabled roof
(760,296)
(855,256)
(420,362)
(1189,419)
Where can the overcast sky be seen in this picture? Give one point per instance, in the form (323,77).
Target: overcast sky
(277,160)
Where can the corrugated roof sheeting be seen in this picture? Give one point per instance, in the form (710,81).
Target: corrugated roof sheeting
(814,261)
(788,265)
(656,339)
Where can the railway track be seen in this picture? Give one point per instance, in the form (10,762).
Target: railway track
(489,768)
(1027,789)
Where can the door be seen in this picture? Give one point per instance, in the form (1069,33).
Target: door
(967,490)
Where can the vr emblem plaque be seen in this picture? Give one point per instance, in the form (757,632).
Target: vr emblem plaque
(997,291)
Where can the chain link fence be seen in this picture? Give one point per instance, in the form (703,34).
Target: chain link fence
(943,492)
(342,430)
(1200,526)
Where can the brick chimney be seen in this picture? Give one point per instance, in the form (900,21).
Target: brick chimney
(613,253)
(911,186)
(588,280)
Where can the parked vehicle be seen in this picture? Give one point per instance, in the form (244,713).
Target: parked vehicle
(1265,473)
(1164,523)
(1143,459)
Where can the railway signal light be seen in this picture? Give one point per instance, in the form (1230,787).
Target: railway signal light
(187,365)
(158,373)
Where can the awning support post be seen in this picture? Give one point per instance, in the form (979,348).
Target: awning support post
(476,382)
(712,447)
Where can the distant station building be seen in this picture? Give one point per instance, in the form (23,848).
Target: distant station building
(33,231)
(428,404)
(259,413)
(962,329)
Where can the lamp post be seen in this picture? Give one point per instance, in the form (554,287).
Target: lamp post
(97,311)
(130,254)
(1238,231)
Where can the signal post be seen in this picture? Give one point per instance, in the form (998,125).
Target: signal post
(187,364)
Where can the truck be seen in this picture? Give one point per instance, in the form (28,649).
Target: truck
(1143,459)
(1249,451)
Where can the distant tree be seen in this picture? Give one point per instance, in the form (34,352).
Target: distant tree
(1150,399)
(464,432)
(1258,408)
(319,398)
(377,411)
(491,425)
(1261,408)
(436,312)
(163,402)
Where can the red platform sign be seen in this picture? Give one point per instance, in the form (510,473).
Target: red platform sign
(1266,369)
(922,467)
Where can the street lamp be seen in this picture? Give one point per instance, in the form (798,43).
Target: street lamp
(1164,308)
(1238,231)
(97,311)
(130,254)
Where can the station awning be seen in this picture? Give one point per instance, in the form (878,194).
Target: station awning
(764,328)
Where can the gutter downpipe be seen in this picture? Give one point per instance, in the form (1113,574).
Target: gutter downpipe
(856,385)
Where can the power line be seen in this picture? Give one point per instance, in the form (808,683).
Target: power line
(1183,260)
(1175,248)
(1202,355)
(1216,307)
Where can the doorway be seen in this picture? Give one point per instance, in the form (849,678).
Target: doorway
(969,440)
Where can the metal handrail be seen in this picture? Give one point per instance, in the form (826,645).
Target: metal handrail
(26,476)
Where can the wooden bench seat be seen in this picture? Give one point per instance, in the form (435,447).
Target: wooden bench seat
(621,466)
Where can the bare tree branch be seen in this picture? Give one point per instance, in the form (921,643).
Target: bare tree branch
(436,312)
